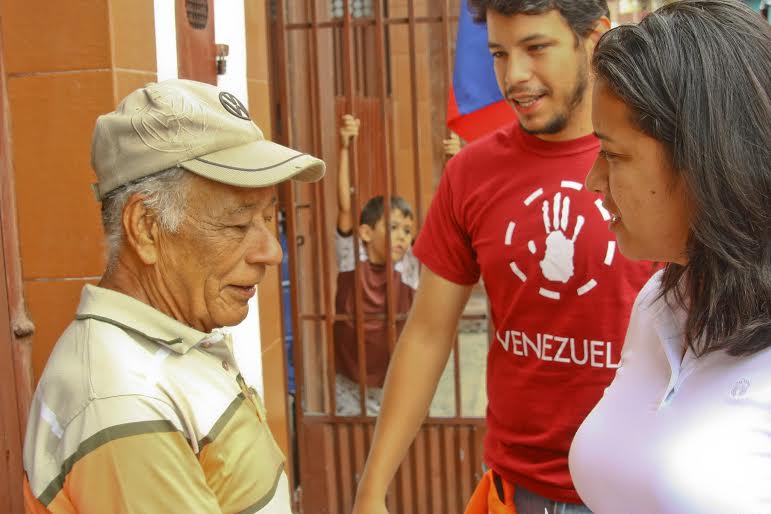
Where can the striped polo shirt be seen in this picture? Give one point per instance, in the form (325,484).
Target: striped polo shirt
(139,413)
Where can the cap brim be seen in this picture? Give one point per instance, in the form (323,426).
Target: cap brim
(257,164)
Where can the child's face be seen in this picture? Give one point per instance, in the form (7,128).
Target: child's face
(401,237)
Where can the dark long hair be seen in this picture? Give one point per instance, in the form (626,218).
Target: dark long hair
(697,76)
(581,15)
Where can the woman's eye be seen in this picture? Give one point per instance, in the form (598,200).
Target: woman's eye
(607,156)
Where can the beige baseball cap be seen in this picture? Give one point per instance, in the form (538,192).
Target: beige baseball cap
(196,126)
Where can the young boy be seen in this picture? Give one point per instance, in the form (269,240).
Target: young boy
(372,260)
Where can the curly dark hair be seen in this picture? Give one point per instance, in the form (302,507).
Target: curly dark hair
(696,75)
(581,15)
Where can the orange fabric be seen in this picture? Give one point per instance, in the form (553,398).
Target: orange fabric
(31,504)
(140,474)
(486,498)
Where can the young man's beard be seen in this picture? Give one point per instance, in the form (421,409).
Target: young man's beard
(560,120)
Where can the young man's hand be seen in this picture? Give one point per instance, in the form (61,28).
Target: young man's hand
(349,129)
(451,145)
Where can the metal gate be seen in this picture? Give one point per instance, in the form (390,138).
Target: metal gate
(388,62)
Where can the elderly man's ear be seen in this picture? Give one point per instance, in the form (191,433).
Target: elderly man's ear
(140,227)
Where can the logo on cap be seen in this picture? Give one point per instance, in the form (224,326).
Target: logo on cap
(171,122)
(234,106)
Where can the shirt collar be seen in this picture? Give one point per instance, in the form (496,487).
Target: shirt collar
(669,320)
(135,316)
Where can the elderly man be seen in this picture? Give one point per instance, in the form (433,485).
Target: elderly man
(141,408)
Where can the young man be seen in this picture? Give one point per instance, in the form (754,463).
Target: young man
(372,259)
(511,208)
(141,407)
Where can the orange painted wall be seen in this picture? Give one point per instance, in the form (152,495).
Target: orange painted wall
(66,63)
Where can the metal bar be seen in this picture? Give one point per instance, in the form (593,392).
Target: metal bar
(465,448)
(382,94)
(318,241)
(280,105)
(340,472)
(406,493)
(419,479)
(320,203)
(359,446)
(446,61)
(429,476)
(360,58)
(398,489)
(367,22)
(413,476)
(348,317)
(415,114)
(325,419)
(458,461)
(348,87)
(448,450)
(345,464)
(456,377)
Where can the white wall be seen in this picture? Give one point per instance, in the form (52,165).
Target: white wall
(165,39)
(230,29)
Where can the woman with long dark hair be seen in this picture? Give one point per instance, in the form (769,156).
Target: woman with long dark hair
(682,108)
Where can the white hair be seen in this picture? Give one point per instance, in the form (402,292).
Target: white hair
(165,193)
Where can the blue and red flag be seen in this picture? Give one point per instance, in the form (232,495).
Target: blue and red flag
(475,106)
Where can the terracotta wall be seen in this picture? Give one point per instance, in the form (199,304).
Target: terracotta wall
(15,385)
(66,62)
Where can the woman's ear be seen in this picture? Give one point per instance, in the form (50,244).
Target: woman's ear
(140,228)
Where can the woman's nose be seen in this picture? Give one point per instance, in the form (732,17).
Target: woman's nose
(597,178)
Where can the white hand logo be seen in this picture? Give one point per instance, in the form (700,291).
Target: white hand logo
(557,264)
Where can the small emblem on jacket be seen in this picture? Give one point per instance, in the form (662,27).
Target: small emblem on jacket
(740,388)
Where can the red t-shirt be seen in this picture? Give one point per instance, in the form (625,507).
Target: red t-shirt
(513,209)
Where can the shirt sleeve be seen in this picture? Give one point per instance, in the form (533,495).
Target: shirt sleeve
(344,252)
(409,269)
(444,244)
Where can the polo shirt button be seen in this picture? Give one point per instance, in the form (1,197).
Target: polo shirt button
(225,365)
(206,344)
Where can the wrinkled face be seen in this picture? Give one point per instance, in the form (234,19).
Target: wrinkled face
(402,230)
(645,196)
(541,68)
(210,268)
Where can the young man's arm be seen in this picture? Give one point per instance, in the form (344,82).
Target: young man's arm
(416,366)
(348,132)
